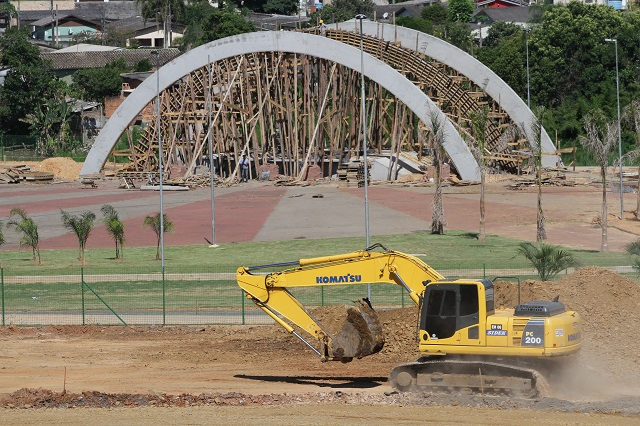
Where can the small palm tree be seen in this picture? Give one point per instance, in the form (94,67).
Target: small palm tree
(28,228)
(547,260)
(634,249)
(115,228)
(153,222)
(438,221)
(479,125)
(81,226)
(600,139)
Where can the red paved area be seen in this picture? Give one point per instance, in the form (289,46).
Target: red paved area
(244,212)
(239,217)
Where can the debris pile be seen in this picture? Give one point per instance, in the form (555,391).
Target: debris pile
(22,172)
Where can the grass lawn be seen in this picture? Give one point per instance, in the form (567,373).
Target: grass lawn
(454,250)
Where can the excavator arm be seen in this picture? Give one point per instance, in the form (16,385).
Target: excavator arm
(361,334)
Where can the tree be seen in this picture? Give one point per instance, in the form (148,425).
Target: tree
(9,10)
(50,122)
(28,84)
(224,23)
(547,260)
(281,7)
(461,10)
(599,140)
(27,227)
(143,65)
(536,150)
(81,226)
(166,10)
(504,51)
(153,222)
(2,240)
(417,24)
(94,84)
(632,116)
(438,221)
(343,10)
(115,227)
(479,123)
(435,13)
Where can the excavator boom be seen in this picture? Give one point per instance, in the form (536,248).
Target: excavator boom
(361,334)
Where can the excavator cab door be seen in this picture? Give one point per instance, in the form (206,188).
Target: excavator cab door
(449,308)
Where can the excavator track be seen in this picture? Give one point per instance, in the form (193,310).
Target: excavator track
(455,375)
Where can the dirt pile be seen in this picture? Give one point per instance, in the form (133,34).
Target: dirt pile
(610,309)
(398,326)
(62,168)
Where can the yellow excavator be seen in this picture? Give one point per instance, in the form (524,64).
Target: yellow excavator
(467,343)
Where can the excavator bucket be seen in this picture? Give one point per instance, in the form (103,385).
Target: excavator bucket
(360,334)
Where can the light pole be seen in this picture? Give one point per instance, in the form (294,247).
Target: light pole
(615,42)
(213,170)
(528,92)
(362,17)
(157,53)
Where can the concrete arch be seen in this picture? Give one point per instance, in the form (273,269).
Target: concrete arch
(465,64)
(278,41)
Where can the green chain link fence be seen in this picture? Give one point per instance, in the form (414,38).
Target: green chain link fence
(179,298)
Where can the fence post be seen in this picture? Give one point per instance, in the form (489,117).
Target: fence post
(242,304)
(82,291)
(164,306)
(2,285)
(484,271)
(322,296)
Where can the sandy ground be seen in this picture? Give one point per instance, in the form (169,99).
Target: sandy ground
(251,375)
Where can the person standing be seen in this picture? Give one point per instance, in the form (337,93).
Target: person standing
(244,168)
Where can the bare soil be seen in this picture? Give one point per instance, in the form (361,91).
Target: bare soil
(244,375)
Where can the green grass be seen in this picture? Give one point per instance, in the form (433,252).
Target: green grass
(43,289)
(454,250)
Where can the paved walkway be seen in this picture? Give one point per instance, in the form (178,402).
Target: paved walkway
(258,211)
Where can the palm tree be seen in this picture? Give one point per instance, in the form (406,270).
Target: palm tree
(115,228)
(2,240)
(632,116)
(81,226)
(479,124)
(600,139)
(634,249)
(153,222)
(28,228)
(536,149)
(438,221)
(547,260)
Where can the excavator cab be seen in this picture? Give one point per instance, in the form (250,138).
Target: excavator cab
(450,307)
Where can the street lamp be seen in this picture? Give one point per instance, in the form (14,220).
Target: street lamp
(157,55)
(528,92)
(213,170)
(362,17)
(615,42)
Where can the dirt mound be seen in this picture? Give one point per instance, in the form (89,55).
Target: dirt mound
(62,168)
(608,304)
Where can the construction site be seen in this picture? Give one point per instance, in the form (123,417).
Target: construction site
(297,118)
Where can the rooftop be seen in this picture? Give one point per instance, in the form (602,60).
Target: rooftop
(96,59)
